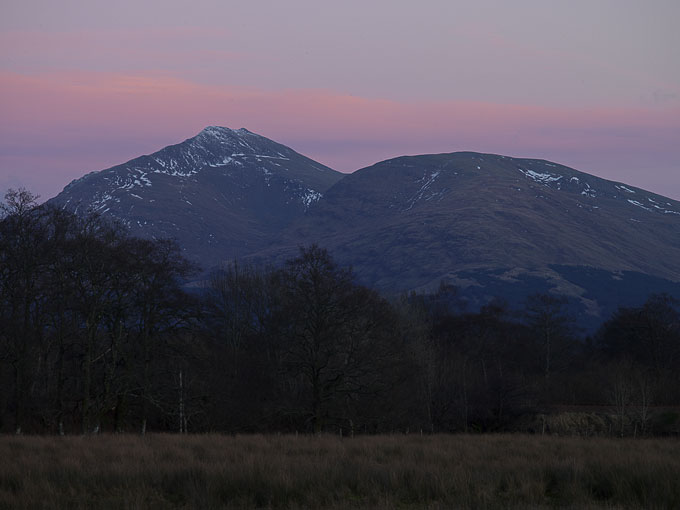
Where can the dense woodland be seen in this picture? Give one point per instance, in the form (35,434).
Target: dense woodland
(98,332)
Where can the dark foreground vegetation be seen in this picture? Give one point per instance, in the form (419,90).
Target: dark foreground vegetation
(98,334)
(440,471)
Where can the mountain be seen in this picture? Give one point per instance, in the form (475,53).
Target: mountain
(223,193)
(492,224)
(408,222)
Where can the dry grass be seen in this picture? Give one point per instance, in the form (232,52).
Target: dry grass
(214,471)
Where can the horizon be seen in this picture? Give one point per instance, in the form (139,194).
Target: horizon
(87,86)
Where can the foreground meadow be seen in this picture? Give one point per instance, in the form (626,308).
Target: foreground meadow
(216,471)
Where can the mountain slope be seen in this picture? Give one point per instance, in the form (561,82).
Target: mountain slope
(408,222)
(492,225)
(223,193)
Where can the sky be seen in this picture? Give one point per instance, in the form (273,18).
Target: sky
(595,85)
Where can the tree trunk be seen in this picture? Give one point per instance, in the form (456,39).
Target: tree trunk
(145,380)
(465,396)
(18,394)
(118,413)
(60,385)
(182,429)
(87,377)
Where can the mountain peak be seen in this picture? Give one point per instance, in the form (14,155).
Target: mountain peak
(215,140)
(222,193)
(220,131)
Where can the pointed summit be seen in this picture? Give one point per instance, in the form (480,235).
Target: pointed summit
(214,142)
(222,193)
(221,130)
(222,133)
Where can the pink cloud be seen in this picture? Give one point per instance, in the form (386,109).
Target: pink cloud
(62,125)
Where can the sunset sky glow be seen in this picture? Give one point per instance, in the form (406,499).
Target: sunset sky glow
(591,84)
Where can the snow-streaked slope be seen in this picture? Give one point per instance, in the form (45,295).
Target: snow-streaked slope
(222,193)
(407,222)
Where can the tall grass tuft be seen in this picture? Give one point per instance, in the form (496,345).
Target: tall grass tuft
(215,471)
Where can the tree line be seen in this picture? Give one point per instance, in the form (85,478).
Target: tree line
(98,332)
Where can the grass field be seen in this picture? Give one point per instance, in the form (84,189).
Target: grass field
(459,471)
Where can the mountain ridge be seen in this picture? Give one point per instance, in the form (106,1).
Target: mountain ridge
(486,207)
(483,222)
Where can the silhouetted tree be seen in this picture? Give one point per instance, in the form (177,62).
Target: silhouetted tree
(547,318)
(21,293)
(236,306)
(650,335)
(335,334)
(81,303)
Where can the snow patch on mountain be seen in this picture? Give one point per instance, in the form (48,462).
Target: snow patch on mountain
(588,191)
(638,204)
(100,201)
(309,197)
(541,178)
(655,207)
(226,161)
(425,192)
(174,172)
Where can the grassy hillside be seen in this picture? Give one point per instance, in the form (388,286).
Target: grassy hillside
(213,471)
(407,222)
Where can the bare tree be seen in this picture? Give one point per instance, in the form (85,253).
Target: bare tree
(21,239)
(546,316)
(620,391)
(236,307)
(334,332)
